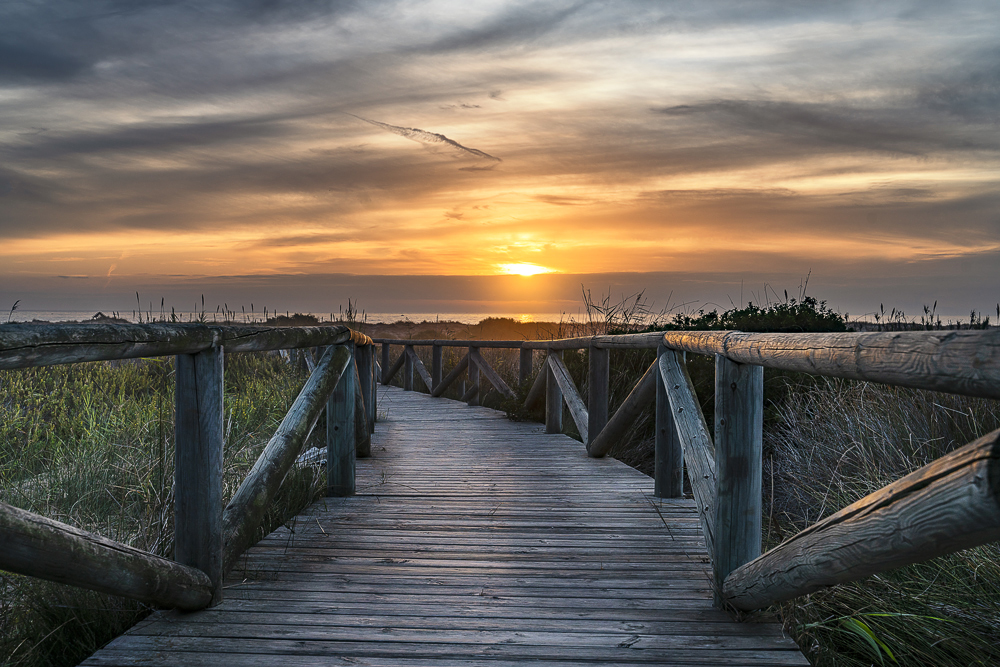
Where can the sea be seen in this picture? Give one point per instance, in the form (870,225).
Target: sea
(241,317)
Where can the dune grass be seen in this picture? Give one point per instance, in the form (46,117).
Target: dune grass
(92,445)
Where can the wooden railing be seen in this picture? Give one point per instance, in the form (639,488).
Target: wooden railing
(949,505)
(208,538)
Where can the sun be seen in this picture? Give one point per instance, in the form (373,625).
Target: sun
(524,269)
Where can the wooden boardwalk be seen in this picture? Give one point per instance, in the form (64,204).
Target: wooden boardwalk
(473,541)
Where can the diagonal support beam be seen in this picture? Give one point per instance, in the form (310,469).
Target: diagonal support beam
(391,373)
(420,368)
(642,394)
(451,377)
(577,409)
(695,441)
(491,374)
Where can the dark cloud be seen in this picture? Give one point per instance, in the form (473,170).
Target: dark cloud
(423,136)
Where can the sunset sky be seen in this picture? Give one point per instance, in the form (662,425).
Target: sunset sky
(406,153)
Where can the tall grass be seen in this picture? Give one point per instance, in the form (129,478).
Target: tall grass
(837,441)
(92,445)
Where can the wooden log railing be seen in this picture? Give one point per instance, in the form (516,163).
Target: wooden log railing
(951,504)
(207,537)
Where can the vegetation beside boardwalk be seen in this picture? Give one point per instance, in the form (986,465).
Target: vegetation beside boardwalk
(92,445)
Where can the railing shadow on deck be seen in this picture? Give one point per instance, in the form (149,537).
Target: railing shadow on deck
(947,506)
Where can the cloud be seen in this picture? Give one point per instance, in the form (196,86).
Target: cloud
(425,137)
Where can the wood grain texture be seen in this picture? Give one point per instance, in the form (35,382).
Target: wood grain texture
(198,444)
(696,443)
(473,541)
(246,509)
(553,396)
(598,384)
(25,345)
(490,374)
(474,394)
(959,362)
(408,357)
(642,393)
(668,455)
(362,436)
(453,375)
(570,394)
(36,546)
(437,366)
(341,440)
(944,507)
(739,424)
(418,366)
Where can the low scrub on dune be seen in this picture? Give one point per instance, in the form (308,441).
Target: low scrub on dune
(91,445)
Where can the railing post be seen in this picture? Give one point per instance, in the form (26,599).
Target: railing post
(407,368)
(340,443)
(363,358)
(437,365)
(668,466)
(474,379)
(553,398)
(524,366)
(739,418)
(598,381)
(198,464)
(373,389)
(385,363)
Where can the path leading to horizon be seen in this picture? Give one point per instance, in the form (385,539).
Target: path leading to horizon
(472,541)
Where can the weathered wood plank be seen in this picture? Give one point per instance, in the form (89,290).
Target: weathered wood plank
(598,384)
(198,428)
(959,362)
(739,423)
(696,443)
(39,547)
(362,436)
(571,395)
(408,356)
(418,366)
(553,396)
(25,345)
(473,540)
(668,455)
(474,394)
(944,507)
(341,441)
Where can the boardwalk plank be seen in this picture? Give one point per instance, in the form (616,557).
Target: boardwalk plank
(473,541)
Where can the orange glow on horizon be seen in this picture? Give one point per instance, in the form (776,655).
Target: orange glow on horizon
(525,269)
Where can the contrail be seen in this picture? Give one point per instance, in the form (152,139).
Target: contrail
(427,137)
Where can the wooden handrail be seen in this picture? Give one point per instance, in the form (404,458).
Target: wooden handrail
(36,546)
(949,505)
(957,362)
(28,345)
